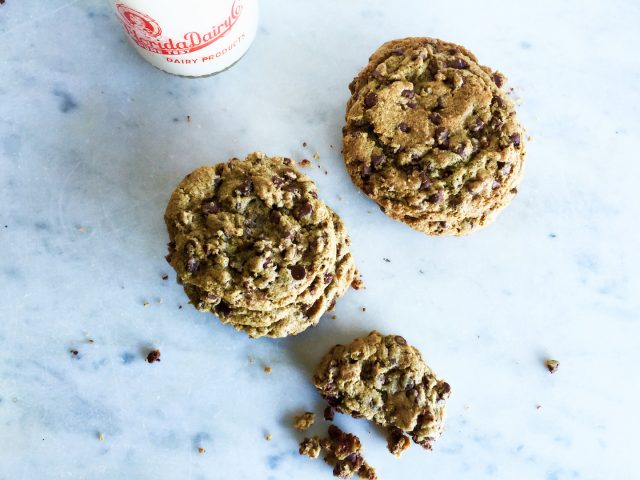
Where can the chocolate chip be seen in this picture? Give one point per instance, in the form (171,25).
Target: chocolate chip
(477,125)
(328,278)
(293,187)
(436,197)
(407,93)
(443,389)
(458,63)
(497,100)
(329,413)
(277,181)
(153,356)
(217,182)
(442,136)
(433,68)
(223,308)
(366,171)
(412,105)
(245,188)
(370,100)
(210,208)
(498,79)
(376,74)
(377,160)
(212,298)
(403,127)
(459,149)
(425,181)
(496,123)
(397,52)
(302,210)
(298,272)
(334,432)
(274,217)
(400,340)
(435,118)
(515,139)
(267,262)
(193,264)
(286,161)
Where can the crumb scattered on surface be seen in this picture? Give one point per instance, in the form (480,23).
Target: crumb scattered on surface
(397,441)
(342,450)
(165,277)
(552,365)
(333,317)
(364,309)
(538,407)
(310,447)
(101,436)
(145,304)
(201,450)
(304,421)
(305,163)
(179,307)
(81,229)
(316,155)
(304,144)
(268,369)
(188,118)
(386,260)
(268,437)
(329,413)
(74,352)
(153,356)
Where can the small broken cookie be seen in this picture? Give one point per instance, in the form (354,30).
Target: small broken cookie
(304,421)
(383,379)
(397,441)
(342,450)
(153,356)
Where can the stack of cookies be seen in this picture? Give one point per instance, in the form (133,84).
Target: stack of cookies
(252,243)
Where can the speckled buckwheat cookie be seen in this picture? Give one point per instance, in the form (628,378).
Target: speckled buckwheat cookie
(252,243)
(383,379)
(431,137)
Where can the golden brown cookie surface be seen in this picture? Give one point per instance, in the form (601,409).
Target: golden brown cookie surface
(431,137)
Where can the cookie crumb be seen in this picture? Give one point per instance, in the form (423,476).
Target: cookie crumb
(386,260)
(304,144)
(397,441)
(552,365)
(145,304)
(364,309)
(333,317)
(268,437)
(81,229)
(179,307)
(305,163)
(310,447)
(101,436)
(304,421)
(165,277)
(316,155)
(357,283)
(188,118)
(538,407)
(268,369)
(74,352)
(153,356)
(342,450)
(201,450)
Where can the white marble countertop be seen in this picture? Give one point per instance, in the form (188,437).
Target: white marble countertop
(93,140)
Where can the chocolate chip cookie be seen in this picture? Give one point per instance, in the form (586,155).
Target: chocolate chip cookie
(252,243)
(432,138)
(383,379)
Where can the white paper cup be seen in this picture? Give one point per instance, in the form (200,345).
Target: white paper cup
(189,37)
